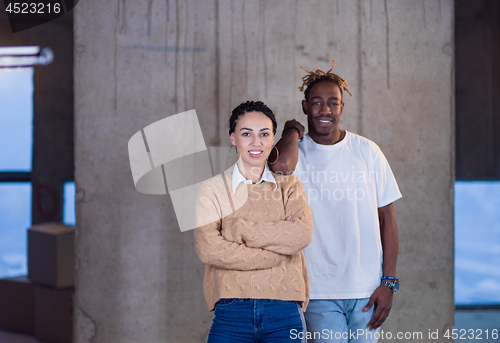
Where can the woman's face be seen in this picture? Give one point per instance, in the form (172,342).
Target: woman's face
(254,138)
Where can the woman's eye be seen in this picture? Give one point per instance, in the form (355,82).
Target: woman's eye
(246,134)
(265,134)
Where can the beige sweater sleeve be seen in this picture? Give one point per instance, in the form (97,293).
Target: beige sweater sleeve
(284,236)
(213,249)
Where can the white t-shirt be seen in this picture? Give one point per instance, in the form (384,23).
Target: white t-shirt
(345,184)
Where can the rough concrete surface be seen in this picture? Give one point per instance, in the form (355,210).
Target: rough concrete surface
(136,62)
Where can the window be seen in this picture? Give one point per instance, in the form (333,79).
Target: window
(15,219)
(16,139)
(69,204)
(477,242)
(16,131)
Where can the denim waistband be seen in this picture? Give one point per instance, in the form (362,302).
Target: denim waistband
(260,300)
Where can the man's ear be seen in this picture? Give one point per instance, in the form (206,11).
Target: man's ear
(304,107)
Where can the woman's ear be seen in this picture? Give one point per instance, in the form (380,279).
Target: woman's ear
(233,140)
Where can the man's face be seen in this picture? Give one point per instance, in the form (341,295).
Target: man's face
(323,109)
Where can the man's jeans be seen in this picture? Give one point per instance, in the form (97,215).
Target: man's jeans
(257,320)
(333,320)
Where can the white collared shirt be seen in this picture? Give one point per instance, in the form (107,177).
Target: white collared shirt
(239,178)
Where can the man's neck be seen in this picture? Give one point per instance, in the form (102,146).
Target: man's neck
(335,137)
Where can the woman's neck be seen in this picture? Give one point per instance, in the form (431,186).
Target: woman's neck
(253,173)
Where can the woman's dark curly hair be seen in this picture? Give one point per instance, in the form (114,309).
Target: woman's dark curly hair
(251,106)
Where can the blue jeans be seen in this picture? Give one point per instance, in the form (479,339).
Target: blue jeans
(339,320)
(257,320)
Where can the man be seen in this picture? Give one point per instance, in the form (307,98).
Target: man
(351,189)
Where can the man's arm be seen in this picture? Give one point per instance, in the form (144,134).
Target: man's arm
(288,147)
(382,296)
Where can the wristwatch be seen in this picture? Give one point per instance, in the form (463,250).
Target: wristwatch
(390,282)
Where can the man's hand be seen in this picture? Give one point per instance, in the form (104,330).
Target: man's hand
(288,147)
(382,299)
(294,123)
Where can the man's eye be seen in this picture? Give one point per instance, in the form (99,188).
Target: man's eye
(334,104)
(265,134)
(316,103)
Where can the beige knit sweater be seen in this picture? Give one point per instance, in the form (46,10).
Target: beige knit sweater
(261,255)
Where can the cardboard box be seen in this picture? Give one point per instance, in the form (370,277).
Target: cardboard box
(53,314)
(17,305)
(51,254)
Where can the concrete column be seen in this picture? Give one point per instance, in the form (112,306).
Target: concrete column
(138,278)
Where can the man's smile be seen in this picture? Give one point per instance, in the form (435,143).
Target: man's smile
(324,120)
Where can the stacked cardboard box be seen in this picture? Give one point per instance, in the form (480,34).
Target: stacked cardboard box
(41,304)
(53,314)
(51,255)
(17,305)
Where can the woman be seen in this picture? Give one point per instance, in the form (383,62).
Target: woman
(252,227)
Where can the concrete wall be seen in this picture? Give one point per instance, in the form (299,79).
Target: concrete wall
(138,278)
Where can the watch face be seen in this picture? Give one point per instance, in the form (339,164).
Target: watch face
(393,285)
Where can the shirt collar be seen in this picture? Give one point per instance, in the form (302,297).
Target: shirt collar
(239,178)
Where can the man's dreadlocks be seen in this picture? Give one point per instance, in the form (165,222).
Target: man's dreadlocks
(317,76)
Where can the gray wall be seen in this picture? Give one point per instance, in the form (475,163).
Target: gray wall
(138,278)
